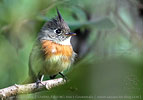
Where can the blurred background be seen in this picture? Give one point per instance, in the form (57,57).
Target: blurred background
(109,44)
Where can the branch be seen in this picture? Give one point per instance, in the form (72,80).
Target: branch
(29,88)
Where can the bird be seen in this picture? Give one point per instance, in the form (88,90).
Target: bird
(52,52)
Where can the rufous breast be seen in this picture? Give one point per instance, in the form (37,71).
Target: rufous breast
(51,48)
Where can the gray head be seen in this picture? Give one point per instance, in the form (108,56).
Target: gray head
(55,30)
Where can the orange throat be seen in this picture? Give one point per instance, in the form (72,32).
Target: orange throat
(54,49)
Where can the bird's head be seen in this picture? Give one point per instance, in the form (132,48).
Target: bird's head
(56,30)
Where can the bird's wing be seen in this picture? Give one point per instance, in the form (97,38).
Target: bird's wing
(74,55)
(36,61)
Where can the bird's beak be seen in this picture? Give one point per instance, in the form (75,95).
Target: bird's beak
(70,34)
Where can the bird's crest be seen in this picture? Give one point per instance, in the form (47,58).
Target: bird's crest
(59,15)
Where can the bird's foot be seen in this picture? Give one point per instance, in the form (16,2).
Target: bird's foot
(64,77)
(39,81)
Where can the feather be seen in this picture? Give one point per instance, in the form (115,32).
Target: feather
(59,15)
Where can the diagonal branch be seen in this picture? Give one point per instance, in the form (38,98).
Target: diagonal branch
(29,88)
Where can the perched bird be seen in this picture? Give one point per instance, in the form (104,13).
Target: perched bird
(52,52)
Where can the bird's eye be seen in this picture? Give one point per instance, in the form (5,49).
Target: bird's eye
(58,31)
